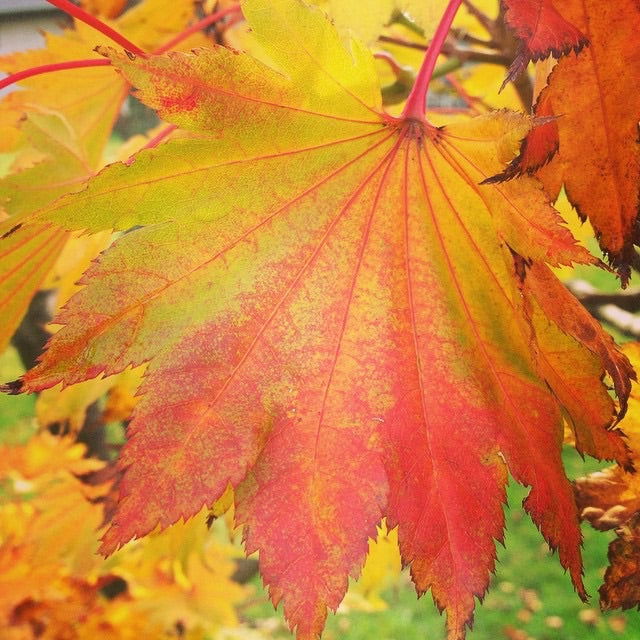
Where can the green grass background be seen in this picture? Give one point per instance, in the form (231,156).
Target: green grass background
(531,597)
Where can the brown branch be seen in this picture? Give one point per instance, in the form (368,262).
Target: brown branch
(403,43)
(591,298)
(524,88)
(617,309)
(467,38)
(472,55)
(484,20)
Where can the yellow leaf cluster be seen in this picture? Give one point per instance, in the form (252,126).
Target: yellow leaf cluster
(53,584)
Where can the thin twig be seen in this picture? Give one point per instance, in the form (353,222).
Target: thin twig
(627,299)
(467,38)
(49,68)
(80,14)
(617,309)
(471,55)
(403,43)
(198,26)
(481,17)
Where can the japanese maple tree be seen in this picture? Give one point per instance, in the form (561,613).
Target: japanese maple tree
(347,313)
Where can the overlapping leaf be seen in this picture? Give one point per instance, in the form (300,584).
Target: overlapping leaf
(46,518)
(96,96)
(69,142)
(621,588)
(610,499)
(337,317)
(544,28)
(28,254)
(591,93)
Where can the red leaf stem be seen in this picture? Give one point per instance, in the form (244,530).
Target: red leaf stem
(114,35)
(417,100)
(155,141)
(198,26)
(48,68)
(80,14)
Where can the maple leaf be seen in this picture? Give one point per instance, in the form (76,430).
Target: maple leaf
(538,148)
(621,587)
(90,109)
(69,142)
(601,170)
(51,578)
(337,318)
(610,499)
(46,518)
(182,573)
(93,104)
(366,21)
(57,161)
(543,30)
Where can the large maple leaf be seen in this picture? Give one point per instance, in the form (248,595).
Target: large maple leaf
(337,318)
(610,499)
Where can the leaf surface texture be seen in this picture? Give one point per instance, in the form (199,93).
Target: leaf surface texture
(338,318)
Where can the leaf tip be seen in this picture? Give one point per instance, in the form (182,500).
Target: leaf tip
(12,388)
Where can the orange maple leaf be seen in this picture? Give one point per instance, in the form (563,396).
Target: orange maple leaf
(598,159)
(543,30)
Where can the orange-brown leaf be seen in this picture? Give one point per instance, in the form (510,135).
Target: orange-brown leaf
(599,158)
(544,31)
(538,148)
(621,588)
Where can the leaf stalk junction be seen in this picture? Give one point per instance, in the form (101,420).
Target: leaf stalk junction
(417,101)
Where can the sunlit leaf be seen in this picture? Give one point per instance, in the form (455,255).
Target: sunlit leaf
(600,170)
(339,315)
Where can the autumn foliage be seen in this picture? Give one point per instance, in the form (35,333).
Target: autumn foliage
(342,309)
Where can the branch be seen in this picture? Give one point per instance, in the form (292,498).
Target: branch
(617,309)
(471,55)
(199,26)
(450,50)
(80,14)
(403,43)
(485,21)
(463,36)
(49,68)
(591,298)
